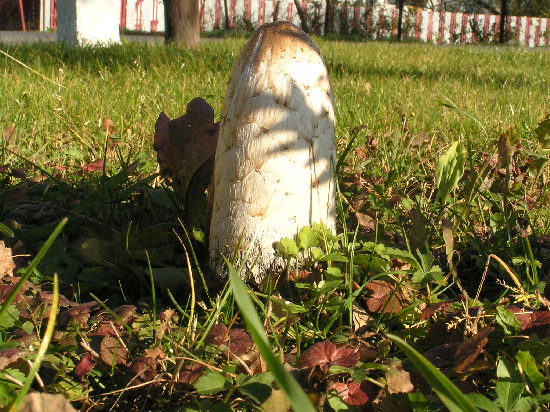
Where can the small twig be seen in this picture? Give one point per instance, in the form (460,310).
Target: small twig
(88,348)
(140,385)
(32,70)
(118,335)
(12,379)
(206,364)
(37,376)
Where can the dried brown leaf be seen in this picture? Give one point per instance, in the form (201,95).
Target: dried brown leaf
(94,166)
(8,132)
(110,350)
(45,402)
(532,322)
(468,351)
(6,261)
(108,126)
(398,380)
(381,297)
(185,144)
(191,372)
(142,370)
(441,355)
(86,364)
(10,356)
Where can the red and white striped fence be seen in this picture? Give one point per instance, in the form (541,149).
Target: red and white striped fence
(379,22)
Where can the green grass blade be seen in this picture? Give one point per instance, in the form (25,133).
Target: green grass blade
(30,269)
(449,394)
(43,348)
(294,392)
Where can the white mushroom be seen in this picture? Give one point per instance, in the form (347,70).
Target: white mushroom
(275,157)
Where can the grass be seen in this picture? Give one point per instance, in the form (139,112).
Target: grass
(442,240)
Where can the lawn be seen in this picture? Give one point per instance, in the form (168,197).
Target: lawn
(443,238)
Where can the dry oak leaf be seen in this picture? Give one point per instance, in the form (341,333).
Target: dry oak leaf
(325,354)
(468,351)
(6,261)
(185,144)
(381,297)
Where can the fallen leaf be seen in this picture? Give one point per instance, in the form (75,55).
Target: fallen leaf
(94,166)
(45,402)
(352,393)
(361,318)
(9,131)
(85,365)
(532,322)
(467,352)
(108,126)
(325,354)
(9,356)
(142,370)
(110,350)
(441,355)
(6,261)
(185,144)
(380,297)
(77,316)
(398,380)
(191,372)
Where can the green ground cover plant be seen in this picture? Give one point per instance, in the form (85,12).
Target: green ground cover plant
(439,267)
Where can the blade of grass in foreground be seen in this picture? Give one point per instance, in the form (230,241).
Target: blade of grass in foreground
(294,392)
(449,394)
(42,350)
(30,269)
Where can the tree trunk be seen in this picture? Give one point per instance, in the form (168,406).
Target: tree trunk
(226,9)
(400,20)
(182,22)
(302,15)
(274,165)
(502,25)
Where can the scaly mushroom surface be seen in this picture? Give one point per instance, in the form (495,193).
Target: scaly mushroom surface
(275,156)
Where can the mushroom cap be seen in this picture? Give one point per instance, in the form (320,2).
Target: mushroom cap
(274,165)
